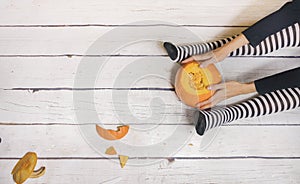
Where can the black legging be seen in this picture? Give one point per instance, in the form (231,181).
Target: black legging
(278,92)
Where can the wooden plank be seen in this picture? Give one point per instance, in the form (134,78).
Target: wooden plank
(76,40)
(39,56)
(133,107)
(213,12)
(180,171)
(52,72)
(228,141)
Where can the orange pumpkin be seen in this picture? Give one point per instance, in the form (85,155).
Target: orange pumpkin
(192,81)
(109,134)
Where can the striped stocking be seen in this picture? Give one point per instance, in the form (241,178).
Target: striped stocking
(287,37)
(269,103)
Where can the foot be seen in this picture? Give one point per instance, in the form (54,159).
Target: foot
(200,122)
(171,50)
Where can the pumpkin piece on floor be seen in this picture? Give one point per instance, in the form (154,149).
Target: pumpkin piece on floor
(110,151)
(123,160)
(24,168)
(109,134)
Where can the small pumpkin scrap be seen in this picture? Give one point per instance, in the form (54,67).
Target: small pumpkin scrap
(24,168)
(123,160)
(109,134)
(110,151)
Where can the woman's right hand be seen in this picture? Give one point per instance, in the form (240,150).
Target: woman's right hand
(218,54)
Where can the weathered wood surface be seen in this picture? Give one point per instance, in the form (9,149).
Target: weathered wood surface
(231,141)
(74,41)
(181,171)
(41,46)
(56,106)
(118,12)
(52,72)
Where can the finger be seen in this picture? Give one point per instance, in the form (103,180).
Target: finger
(199,104)
(214,100)
(215,87)
(206,106)
(187,60)
(210,59)
(210,105)
(205,64)
(203,57)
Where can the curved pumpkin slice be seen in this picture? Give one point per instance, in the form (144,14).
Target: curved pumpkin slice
(24,169)
(109,134)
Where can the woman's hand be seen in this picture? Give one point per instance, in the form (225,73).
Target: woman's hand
(227,89)
(224,91)
(209,58)
(220,53)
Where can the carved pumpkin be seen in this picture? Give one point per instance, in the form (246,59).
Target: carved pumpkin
(192,81)
(109,134)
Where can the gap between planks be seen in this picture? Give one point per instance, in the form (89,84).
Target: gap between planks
(160,158)
(118,25)
(124,55)
(169,124)
(88,89)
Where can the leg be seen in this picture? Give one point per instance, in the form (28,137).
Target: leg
(287,37)
(180,53)
(269,103)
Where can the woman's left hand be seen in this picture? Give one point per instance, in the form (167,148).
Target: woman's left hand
(224,91)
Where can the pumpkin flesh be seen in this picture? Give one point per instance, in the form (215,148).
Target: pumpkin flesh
(192,81)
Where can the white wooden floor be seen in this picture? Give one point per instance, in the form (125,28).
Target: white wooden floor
(41,46)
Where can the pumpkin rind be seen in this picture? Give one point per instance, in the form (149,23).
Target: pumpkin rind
(109,134)
(24,168)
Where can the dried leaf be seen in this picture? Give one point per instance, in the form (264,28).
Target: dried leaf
(110,151)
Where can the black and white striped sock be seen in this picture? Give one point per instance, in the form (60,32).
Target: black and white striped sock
(287,37)
(180,53)
(269,103)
